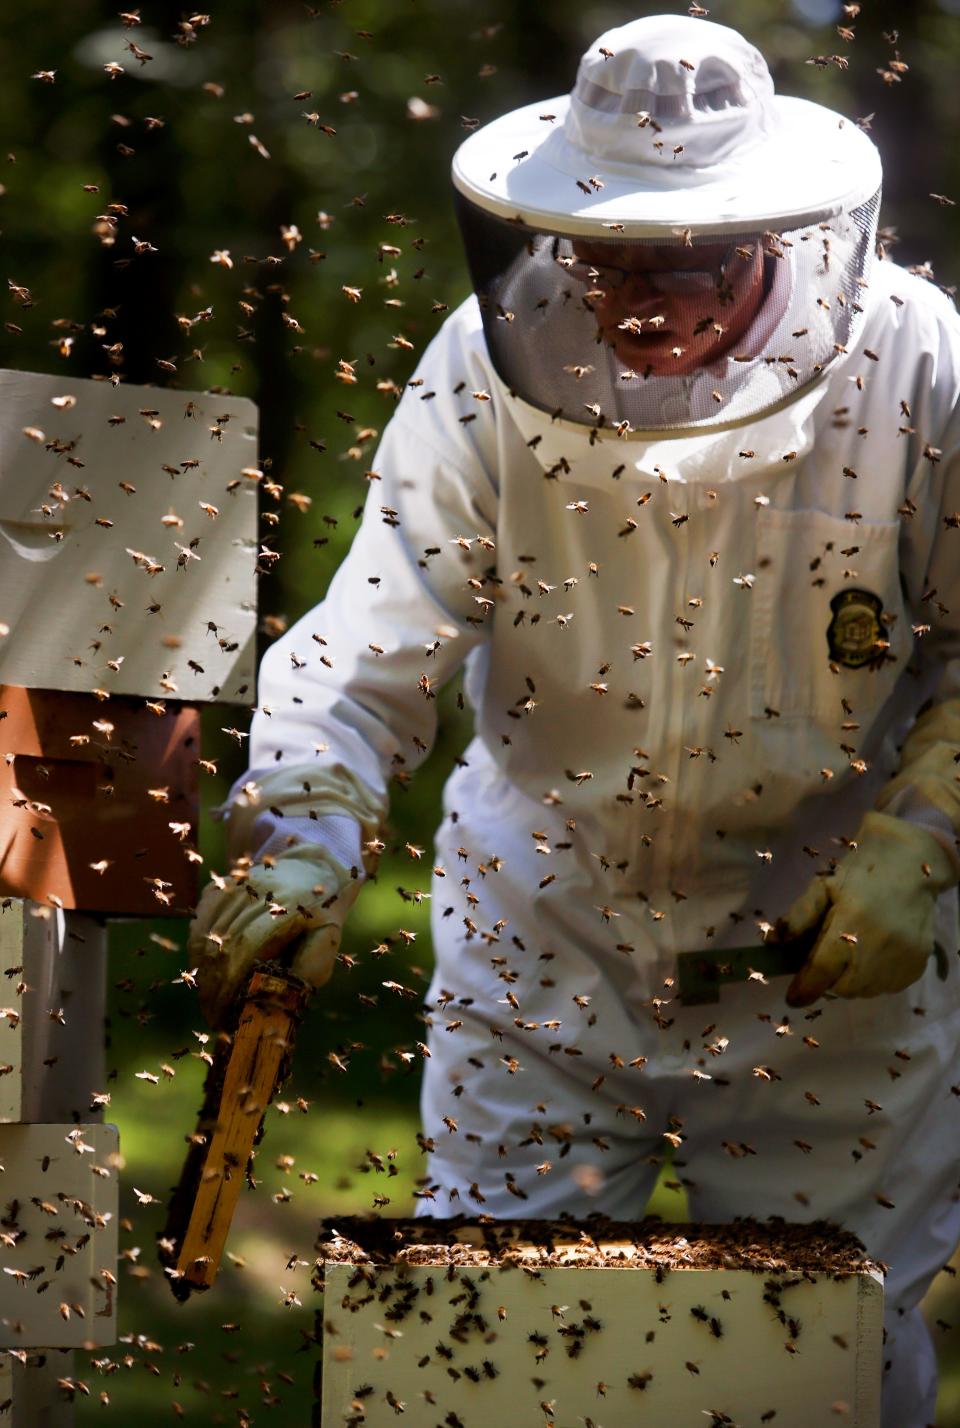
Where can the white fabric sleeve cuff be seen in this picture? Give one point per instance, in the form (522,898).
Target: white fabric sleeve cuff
(912,807)
(334,833)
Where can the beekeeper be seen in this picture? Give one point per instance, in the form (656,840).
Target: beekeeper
(680,488)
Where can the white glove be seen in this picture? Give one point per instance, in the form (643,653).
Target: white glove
(877,911)
(282,889)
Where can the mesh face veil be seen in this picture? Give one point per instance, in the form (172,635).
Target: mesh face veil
(672,245)
(647,335)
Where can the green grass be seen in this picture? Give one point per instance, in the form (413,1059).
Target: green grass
(270,1335)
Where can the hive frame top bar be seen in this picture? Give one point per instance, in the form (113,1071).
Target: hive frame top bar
(772,1246)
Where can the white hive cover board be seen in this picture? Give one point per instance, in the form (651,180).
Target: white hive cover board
(58,1236)
(111,571)
(490,1347)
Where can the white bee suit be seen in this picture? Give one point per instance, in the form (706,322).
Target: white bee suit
(637,788)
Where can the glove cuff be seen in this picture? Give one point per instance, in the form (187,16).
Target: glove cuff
(262,799)
(928,781)
(917,845)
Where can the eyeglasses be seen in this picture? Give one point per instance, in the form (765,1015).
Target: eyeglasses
(708,276)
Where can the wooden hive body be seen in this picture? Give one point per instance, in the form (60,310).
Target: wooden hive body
(467,1325)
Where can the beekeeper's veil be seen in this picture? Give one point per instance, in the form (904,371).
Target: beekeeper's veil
(671,246)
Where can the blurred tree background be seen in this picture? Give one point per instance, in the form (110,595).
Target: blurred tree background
(186,196)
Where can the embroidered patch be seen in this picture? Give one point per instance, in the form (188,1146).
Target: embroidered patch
(856,630)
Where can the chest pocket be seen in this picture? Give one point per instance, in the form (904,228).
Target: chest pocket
(829,617)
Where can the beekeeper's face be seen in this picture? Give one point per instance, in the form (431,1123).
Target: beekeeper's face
(668,308)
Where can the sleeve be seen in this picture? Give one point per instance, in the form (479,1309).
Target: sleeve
(353,683)
(927,790)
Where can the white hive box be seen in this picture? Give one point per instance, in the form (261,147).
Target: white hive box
(52,990)
(468,1325)
(58,1216)
(63,576)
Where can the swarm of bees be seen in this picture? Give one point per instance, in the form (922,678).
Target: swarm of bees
(579,1076)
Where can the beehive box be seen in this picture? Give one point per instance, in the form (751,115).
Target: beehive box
(99,801)
(128,531)
(463,1324)
(58,1254)
(53,972)
(32,1389)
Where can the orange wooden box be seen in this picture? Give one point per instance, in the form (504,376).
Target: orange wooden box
(89,789)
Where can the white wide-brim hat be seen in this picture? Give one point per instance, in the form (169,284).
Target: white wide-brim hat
(672,125)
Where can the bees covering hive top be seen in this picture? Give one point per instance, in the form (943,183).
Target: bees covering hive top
(772,1247)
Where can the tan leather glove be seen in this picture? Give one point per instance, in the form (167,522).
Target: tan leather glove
(878,908)
(298,892)
(877,912)
(259,912)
